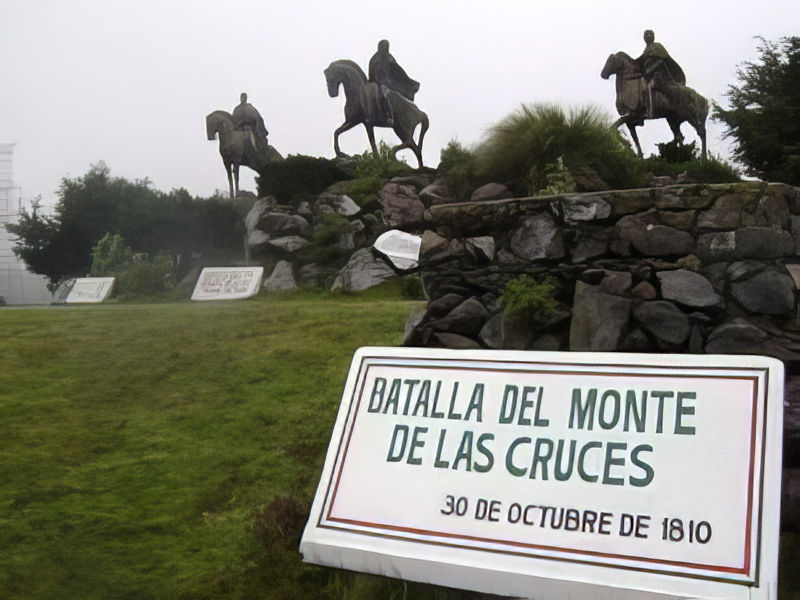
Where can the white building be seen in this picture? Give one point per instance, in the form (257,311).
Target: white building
(17,284)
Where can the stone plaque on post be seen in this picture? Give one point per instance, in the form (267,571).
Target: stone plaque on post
(553,475)
(228,283)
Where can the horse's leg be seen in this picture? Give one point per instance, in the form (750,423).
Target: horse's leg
(347,125)
(632,129)
(423,128)
(230,177)
(700,128)
(675,126)
(619,121)
(371,135)
(236,176)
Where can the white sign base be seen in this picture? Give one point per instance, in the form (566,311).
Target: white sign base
(546,474)
(228,283)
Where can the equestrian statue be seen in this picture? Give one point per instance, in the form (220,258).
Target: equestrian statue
(653,86)
(242,140)
(383,100)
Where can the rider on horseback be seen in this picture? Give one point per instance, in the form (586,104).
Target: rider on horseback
(659,70)
(247,118)
(388,75)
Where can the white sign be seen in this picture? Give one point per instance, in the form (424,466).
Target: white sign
(540,474)
(90,290)
(228,283)
(399,247)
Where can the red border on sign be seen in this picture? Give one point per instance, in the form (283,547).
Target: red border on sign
(354,411)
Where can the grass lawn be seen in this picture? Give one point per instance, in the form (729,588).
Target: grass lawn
(172,450)
(142,445)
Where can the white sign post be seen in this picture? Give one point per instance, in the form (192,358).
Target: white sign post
(227,283)
(541,475)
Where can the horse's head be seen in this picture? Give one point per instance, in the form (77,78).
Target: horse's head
(616,64)
(610,67)
(211,127)
(333,81)
(347,73)
(216,122)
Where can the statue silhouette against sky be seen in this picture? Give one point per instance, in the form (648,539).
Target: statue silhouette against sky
(384,71)
(383,100)
(653,86)
(658,68)
(247,118)
(242,140)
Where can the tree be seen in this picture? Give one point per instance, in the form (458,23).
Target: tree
(152,222)
(764,118)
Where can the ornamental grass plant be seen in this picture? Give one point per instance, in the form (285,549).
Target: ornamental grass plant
(522,149)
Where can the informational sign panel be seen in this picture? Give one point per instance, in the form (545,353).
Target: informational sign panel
(401,248)
(228,283)
(539,474)
(90,290)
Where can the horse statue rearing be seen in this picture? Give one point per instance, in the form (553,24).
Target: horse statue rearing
(674,103)
(236,148)
(357,111)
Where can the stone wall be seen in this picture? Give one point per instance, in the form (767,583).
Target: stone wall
(681,268)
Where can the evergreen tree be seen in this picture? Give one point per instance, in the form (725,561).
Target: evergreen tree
(764,118)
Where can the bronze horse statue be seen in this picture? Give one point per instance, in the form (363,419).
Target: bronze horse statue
(675,103)
(236,148)
(356,109)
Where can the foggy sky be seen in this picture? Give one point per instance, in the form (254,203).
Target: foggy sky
(130,83)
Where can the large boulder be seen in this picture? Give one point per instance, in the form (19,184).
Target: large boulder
(278,224)
(649,237)
(261,207)
(288,244)
(401,206)
(281,279)
(585,208)
(436,193)
(342,204)
(664,320)
(363,271)
(769,293)
(537,237)
(688,288)
(467,318)
(724,214)
(490,191)
(598,318)
(481,248)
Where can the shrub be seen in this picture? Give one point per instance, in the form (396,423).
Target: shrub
(109,255)
(458,167)
(559,179)
(677,152)
(136,275)
(144,277)
(298,177)
(711,170)
(383,164)
(327,232)
(519,150)
(364,191)
(530,302)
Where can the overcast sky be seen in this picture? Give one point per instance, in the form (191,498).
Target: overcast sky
(130,82)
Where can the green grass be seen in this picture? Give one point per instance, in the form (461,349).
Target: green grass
(142,442)
(171,451)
